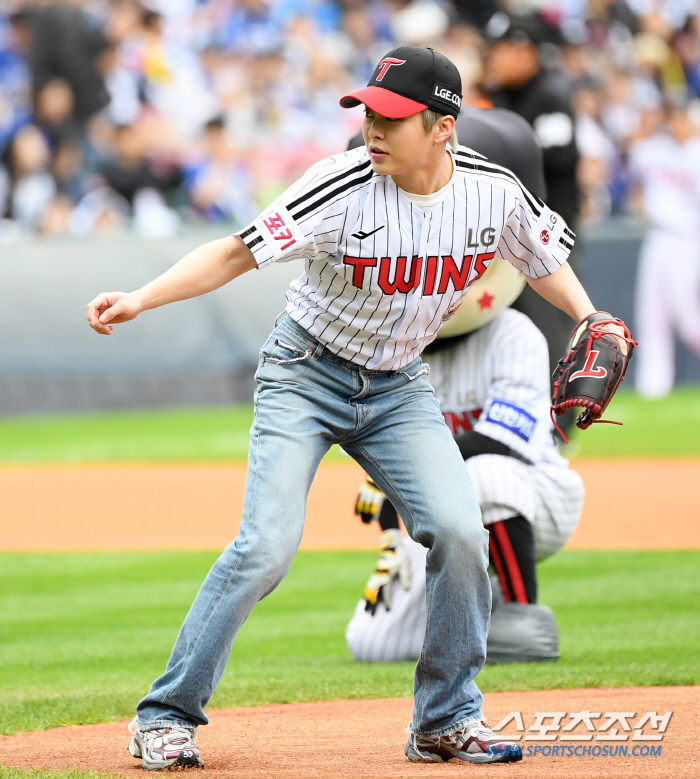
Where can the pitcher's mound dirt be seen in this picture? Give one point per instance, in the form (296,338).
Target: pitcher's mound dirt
(357,739)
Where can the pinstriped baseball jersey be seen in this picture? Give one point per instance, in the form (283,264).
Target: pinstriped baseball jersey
(501,370)
(381,274)
(496,381)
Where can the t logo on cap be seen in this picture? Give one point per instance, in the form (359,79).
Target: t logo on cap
(423,78)
(385,64)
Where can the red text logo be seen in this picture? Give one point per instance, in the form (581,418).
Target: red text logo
(385,64)
(588,370)
(544,237)
(393,275)
(280,232)
(399,282)
(461,422)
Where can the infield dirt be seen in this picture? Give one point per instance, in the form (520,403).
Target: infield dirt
(365,739)
(633,504)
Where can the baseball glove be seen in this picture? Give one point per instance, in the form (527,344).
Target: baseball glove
(591,370)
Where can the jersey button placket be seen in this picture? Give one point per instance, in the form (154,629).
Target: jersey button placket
(423,248)
(424,233)
(416,296)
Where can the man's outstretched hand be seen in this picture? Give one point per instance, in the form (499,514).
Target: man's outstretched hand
(112,308)
(207,268)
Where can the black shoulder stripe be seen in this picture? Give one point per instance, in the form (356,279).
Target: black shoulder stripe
(328,183)
(254,242)
(570,233)
(471,154)
(568,245)
(497,170)
(330,195)
(248,232)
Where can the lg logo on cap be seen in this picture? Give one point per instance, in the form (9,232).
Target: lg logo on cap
(385,64)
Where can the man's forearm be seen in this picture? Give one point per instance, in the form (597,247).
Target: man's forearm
(563,290)
(207,268)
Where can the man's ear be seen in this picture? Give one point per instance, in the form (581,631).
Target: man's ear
(444,128)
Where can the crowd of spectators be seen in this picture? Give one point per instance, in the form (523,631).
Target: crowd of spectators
(150,114)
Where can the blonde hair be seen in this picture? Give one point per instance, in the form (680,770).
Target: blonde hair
(431,118)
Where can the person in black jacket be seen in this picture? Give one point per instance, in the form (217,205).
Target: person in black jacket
(64,44)
(518,81)
(131,170)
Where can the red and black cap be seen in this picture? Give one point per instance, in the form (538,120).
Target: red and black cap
(409,80)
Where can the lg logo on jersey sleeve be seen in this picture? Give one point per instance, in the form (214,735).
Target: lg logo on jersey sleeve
(549,228)
(515,419)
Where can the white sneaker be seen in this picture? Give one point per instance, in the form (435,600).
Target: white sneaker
(475,743)
(163,747)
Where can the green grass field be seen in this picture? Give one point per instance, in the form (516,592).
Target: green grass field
(83,635)
(663,428)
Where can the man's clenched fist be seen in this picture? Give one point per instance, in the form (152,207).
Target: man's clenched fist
(112,308)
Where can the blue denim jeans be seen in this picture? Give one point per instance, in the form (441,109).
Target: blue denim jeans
(390,422)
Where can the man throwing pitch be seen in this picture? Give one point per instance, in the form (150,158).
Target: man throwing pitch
(342,366)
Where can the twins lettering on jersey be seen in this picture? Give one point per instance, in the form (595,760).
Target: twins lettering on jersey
(380,273)
(439,272)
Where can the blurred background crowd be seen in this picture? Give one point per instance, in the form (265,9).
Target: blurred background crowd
(146,115)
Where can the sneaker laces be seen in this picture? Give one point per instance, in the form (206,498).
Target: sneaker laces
(457,738)
(175,732)
(476,728)
(481,730)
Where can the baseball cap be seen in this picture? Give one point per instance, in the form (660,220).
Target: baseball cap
(408,80)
